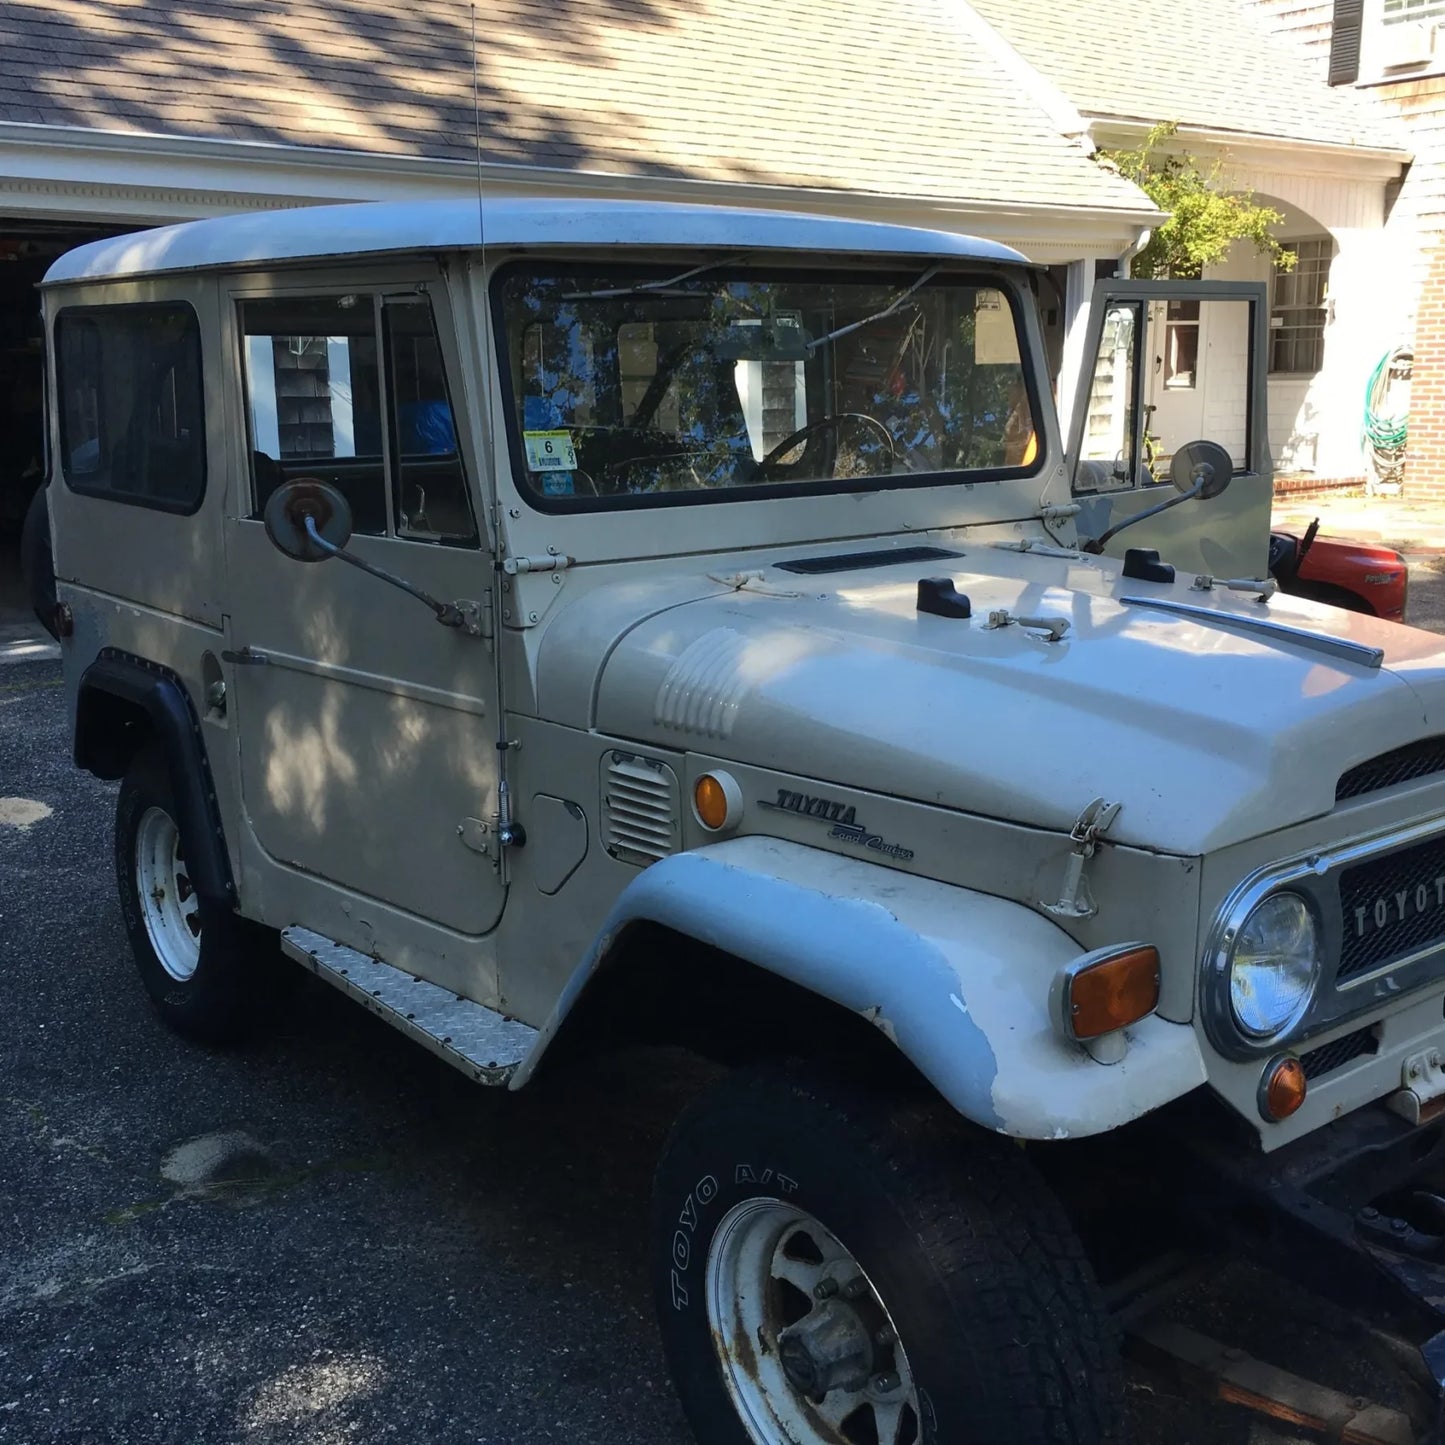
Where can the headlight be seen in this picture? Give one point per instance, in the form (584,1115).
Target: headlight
(1273,964)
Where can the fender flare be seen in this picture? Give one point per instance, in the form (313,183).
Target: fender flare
(161,695)
(957,980)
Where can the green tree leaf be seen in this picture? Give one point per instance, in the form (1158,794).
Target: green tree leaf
(1204,219)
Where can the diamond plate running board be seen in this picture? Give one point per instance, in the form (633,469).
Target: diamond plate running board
(483,1044)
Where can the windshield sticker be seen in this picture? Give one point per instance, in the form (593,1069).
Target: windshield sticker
(550,451)
(559,484)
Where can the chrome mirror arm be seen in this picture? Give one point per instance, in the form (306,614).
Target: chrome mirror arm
(1095,545)
(447,613)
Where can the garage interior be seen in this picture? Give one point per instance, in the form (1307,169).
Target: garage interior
(27,247)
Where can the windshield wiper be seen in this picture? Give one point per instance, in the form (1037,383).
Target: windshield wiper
(888,310)
(653,288)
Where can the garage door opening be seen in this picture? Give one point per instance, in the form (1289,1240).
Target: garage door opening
(27,248)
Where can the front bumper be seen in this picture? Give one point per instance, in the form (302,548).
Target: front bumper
(1355,1213)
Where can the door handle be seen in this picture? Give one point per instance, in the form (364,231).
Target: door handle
(246,657)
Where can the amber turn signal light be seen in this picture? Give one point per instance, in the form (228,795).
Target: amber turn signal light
(1105,991)
(717,800)
(1282,1089)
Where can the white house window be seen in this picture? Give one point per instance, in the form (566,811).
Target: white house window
(1297,313)
(1395,12)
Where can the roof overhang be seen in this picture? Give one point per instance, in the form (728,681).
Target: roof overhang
(132,177)
(1113,132)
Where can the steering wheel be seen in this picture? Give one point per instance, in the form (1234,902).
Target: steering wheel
(827,423)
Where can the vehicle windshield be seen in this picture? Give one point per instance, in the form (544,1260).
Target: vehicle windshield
(634,386)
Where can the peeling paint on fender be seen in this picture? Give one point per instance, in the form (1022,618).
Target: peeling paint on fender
(958,980)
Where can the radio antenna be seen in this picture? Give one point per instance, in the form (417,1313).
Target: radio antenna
(477,132)
(509,834)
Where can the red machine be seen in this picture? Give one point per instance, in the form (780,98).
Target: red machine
(1360,576)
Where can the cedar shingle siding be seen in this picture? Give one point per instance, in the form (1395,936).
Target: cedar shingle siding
(892,97)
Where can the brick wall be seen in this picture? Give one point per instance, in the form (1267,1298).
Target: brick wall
(1425,463)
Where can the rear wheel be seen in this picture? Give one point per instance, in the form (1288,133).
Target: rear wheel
(208,972)
(832,1271)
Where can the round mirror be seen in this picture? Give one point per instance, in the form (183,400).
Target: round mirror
(289,508)
(1202,462)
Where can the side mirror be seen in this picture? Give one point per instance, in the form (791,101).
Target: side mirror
(1199,469)
(307,499)
(310,520)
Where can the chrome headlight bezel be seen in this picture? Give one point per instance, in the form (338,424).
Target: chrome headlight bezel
(1314,875)
(1217,1010)
(1313,957)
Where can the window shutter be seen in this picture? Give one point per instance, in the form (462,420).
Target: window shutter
(1345,42)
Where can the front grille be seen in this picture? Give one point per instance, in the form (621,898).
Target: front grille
(1414,760)
(1339,1052)
(1391,907)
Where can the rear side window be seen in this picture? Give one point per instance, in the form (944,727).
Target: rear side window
(130,394)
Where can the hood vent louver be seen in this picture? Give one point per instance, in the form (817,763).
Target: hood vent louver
(1401,765)
(640,808)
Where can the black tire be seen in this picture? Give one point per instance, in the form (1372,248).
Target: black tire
(994,1303)
(37,566)
(236,977)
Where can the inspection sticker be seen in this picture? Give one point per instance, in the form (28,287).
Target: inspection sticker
(550,451)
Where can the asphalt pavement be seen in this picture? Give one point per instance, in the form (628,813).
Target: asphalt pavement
(328,1236)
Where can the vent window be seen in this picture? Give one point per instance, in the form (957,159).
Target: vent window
(640,809)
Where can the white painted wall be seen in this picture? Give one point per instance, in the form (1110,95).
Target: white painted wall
(1314,421)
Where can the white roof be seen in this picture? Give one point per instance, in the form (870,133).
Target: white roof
(382,228)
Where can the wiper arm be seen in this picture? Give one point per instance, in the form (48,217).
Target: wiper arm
(887,311)
(653,288)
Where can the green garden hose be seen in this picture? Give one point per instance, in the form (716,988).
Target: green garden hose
(1383,434)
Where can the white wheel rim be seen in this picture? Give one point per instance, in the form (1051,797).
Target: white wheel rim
(168,902)
(787,1302)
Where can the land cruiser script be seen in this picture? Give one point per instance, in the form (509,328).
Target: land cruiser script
(1398,906)
(843,817)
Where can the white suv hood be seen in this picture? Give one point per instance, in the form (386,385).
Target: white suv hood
(1206,734)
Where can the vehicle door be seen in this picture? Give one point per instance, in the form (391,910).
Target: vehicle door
(1167,363)
(366,729)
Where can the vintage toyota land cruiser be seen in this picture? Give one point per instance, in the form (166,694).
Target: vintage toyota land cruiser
(562,624)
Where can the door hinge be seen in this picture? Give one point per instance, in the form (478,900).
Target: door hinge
(245,657)
(476,835)
(552,562)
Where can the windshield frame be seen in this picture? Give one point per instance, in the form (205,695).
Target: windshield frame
(898,273)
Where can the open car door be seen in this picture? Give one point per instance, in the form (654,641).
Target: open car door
(1167,363)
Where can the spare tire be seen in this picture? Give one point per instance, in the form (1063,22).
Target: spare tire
(37,561)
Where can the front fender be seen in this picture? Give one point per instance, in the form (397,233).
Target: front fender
(958,980)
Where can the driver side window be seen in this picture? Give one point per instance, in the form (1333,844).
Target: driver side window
(351,389)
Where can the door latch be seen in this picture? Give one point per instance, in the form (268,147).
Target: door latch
(245,657)
(1075,898)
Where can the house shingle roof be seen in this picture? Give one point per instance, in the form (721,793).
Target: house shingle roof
(893,97)
(1209,63)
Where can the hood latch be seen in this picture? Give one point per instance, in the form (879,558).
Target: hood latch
(1075,898)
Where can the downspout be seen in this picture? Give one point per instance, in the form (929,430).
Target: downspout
(1126,260)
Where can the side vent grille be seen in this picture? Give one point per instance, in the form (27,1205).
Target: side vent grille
(640,804)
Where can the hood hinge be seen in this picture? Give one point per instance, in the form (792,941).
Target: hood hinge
(1075,899)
